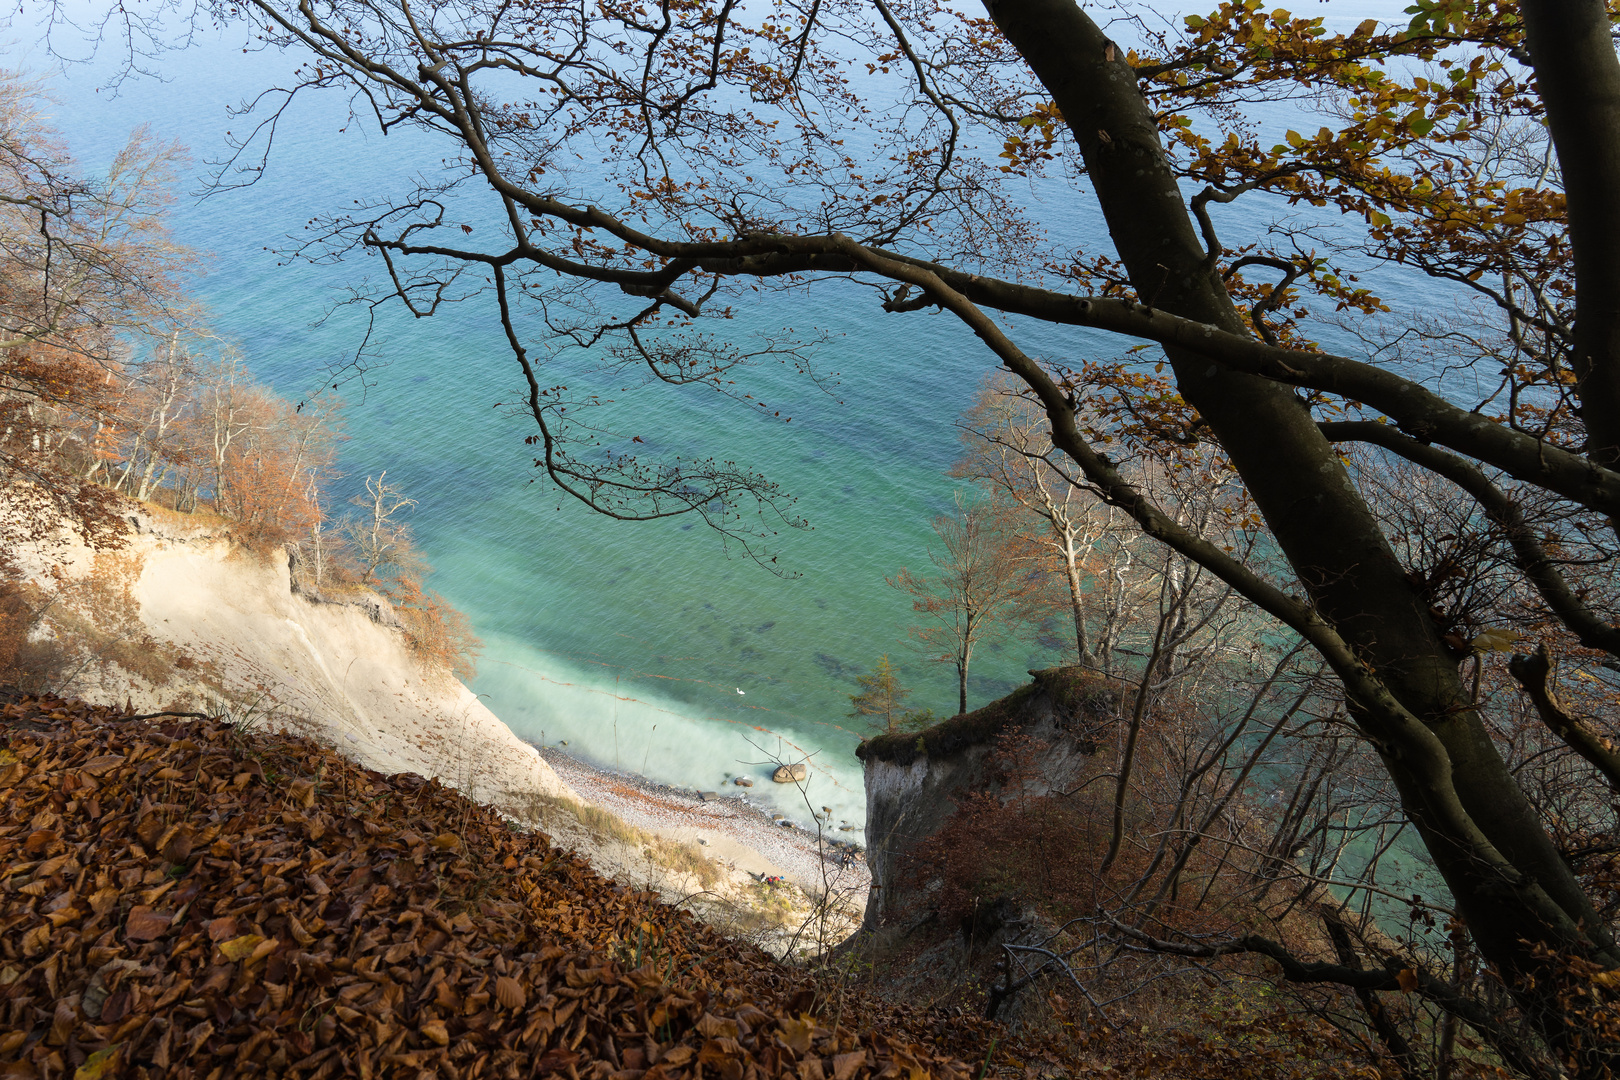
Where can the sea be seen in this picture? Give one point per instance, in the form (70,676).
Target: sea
(648,647)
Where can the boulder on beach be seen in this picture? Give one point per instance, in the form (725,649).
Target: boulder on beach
(743,781)
(709,796)
(787,774)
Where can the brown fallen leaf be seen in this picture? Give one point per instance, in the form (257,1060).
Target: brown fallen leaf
(796,1034)
(63,916)
(144,924)
(36,940)
(846,1065)
(178,848)
(509,992)
(362,900)
(102,764)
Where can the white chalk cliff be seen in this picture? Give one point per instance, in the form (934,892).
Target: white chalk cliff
(207,625)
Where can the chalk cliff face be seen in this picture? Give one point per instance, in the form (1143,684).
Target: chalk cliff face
(179,618)
(916,783)
(182,618)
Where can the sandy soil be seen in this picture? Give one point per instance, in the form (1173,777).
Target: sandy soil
(731,830)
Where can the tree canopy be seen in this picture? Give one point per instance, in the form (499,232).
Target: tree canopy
(656,167)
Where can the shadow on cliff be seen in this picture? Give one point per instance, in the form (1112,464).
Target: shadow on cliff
(983,830)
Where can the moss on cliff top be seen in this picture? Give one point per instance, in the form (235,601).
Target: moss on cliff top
(1070,688)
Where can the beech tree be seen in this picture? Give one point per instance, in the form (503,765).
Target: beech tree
(376,535)
(1008,449)
(653,165)
(983,590)
(85,263)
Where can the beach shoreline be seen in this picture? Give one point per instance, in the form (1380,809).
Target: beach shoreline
(729,828)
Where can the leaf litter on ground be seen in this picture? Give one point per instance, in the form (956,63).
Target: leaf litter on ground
(194,901)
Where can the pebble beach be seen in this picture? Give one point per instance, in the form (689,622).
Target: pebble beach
(728,828)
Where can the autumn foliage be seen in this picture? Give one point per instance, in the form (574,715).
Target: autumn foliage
(111,385)
(189,900)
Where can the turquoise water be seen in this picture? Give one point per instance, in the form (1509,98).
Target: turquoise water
(630,641)
(645,646)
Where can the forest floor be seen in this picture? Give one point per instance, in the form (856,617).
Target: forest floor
(190,900)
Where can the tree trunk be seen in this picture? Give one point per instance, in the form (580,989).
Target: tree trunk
(1076,595)
(1578,77)
(1323,526)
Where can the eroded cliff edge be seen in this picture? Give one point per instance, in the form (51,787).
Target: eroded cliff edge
(179,617)
(933,913)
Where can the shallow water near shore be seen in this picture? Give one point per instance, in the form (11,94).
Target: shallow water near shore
(646,647)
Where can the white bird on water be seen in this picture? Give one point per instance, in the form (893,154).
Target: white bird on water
(739,689)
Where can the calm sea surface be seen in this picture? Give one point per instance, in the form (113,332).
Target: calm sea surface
(645,646)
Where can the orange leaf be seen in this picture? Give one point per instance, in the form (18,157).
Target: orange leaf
(36,940)
(845,1065)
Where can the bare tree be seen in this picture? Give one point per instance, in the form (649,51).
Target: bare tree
(163,394)
(87,258)
(85,263)
(983,591)
(1008,449)
(377,538)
